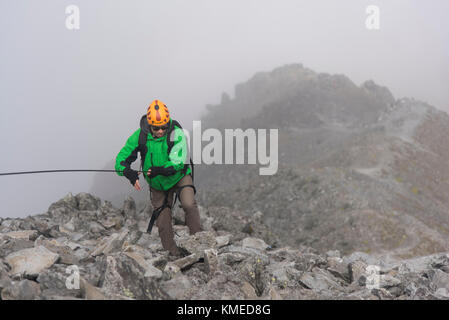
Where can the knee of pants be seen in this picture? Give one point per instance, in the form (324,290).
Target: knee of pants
(189,205)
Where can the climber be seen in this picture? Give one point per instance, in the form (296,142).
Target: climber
(162,145)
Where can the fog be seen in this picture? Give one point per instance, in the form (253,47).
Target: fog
(70,98)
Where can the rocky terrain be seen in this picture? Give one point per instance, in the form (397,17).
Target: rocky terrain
(84,248)
(359,170)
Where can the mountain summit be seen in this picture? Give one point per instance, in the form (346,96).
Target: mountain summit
(359,170)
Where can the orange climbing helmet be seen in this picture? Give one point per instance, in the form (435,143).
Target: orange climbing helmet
(157,113)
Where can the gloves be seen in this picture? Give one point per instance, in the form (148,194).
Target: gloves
(131,175)
(155,171)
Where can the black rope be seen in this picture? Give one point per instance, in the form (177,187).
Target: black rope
(47,171)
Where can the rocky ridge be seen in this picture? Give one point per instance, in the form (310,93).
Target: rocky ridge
(359,170)
(83,248)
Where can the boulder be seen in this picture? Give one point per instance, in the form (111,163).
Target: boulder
(198,242)
(150,270)
(248,291)
(23,290)
(66,255)
(10,245)
(177,288)
(338,268)
(90,292)
(60,281)
(23,234)
(254,243)
(86,201)
(320,281)
(124,276)
(357,269)
(110,244)
(210,261)
(223,240)
(171,270)
(186,261)
(31,261)
(129,208)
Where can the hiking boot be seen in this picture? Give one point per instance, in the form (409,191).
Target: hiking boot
(178,252)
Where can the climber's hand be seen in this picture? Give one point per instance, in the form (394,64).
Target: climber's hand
(133,177)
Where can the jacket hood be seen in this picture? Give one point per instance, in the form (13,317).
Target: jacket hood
(144,126)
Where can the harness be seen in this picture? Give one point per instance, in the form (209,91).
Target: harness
(143,150)
(157,211)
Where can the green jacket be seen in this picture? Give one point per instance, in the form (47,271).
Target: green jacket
(157,156)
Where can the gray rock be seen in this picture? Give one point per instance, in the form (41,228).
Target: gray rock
(129,208)
(440,279)
(231,258)
(186,261)
(171,270)
(124,276)
(357,269)
(198,242)
(9,225)
(150,270)
(254,243)
(24,290)
(177,288)
(107,209)
(110,244)
(31,261)
(66,255)
(23,234)
(5,280)
(333,254)
(59,281)
(441,262)
(223,240)
(442,293)
(338,268)
(95,227)
(245,251)
(382,294)
(211,261)
(388,281)
(90,292)
(124,262)
(113,221)
(87,201)
(9,245)
(248,291)
(319,281)
(62,210)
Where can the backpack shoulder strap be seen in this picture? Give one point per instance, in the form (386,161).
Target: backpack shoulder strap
(143,136)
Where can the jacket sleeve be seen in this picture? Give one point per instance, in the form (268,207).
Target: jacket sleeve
(128,154)
(178,154)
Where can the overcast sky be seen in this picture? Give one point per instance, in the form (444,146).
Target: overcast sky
(70,98)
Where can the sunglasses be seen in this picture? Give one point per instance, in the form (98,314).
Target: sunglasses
(155,128)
